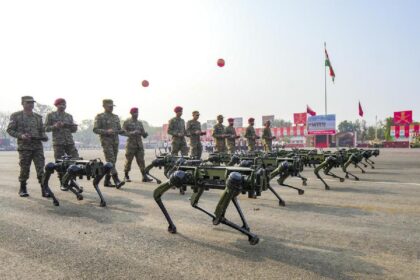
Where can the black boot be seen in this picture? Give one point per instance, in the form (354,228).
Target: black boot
(126,177)
(22,191)
(146,178)
(118,183)
(107,181)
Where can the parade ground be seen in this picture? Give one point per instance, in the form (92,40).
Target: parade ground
(367,229)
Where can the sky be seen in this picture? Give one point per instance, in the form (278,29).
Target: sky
(86,51)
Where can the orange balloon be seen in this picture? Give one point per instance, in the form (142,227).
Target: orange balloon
(220,62)
(145,83)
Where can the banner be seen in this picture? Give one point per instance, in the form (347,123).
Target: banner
(404,131)
(403,117)
(299,118)
(267,118)
(321,125)
(237,122)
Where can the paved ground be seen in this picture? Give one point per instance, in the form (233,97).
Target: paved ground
(358,230)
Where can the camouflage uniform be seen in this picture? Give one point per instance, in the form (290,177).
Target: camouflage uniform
(29,150)
(134,146)
(267,138)
(250,136)
(62,137)
(196,148)
(177,126)
(230,140)
(219,140)
(109,142)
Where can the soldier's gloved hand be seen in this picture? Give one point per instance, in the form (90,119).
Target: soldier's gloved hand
(145,135)
(44,138)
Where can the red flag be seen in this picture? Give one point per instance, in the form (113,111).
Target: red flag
(360,110)
(310,111)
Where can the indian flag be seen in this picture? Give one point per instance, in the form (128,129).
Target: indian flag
(328,64)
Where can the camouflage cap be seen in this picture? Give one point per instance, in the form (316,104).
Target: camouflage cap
(195,113)
(107,102)
(219,116)
(27,99)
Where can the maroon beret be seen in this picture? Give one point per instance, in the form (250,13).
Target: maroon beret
(59,101)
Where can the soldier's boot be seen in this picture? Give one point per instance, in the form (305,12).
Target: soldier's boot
(44,193)
(107,181)
(146,178)
(126,177)
(22,191)
(118,183)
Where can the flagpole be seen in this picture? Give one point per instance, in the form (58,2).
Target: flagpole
(325,79)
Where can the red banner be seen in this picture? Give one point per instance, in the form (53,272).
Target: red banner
(299,118)
(403,117)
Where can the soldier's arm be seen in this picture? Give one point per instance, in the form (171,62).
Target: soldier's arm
(143,131)
(188,130)
(73,126)
(215,132)
(12,128)
(42,130)
(171,128)
(49,126)
(119,128)
(125,129)
(98,127)
(247,133)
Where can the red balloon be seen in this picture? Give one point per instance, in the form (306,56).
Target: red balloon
(220,62)
(145,83)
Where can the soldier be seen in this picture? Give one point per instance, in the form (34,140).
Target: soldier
(194,132)
(219,135)
(176,128)
(134,130)
(108,126)
(267,137)
(27,127)
(62,126)
(231,136)
(250,135)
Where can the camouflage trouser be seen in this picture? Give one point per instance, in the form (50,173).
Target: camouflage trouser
(138,153)
(62,150)
(231,148)
(111,152)
(220,146)
(179,145)
(196,149)
(251,146)
(267,147)
(25,159)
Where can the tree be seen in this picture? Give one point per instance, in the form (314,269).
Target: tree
(42,109)
(85,134)
(281,123)
(387,128)
(4,122)
(371,133)
(346,126)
